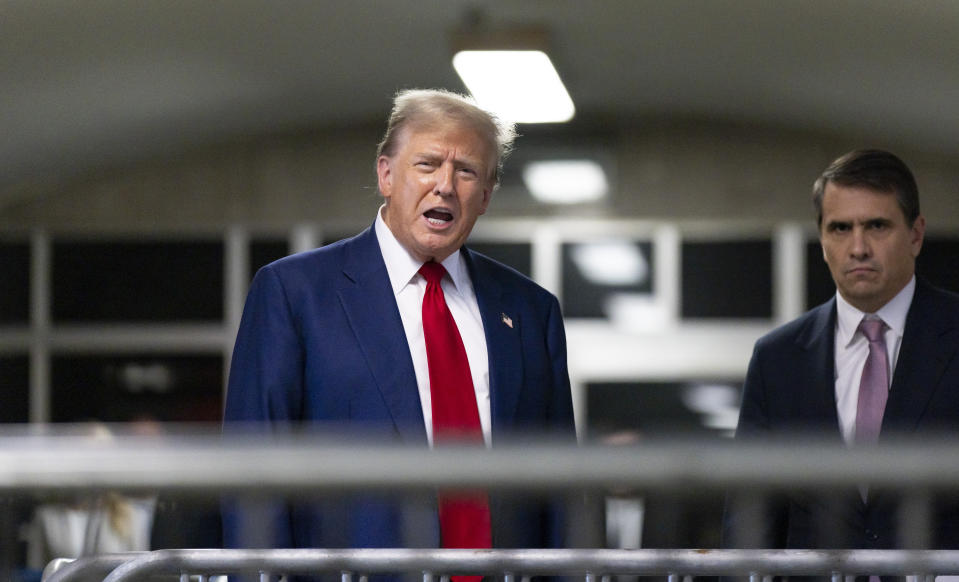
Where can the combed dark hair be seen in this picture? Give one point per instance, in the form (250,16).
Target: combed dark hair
(874,169)
(424,108)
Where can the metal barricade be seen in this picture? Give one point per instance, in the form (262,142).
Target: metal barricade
(511,565)
(302,468)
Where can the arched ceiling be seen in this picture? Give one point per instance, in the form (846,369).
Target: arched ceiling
(99,82)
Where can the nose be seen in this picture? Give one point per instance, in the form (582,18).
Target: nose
(444,180)
(860,244)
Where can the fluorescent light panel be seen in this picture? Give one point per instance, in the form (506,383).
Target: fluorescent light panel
(611,262)
(565,181)
(519,86)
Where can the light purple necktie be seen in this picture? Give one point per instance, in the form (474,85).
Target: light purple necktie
(873,390)
(874,387)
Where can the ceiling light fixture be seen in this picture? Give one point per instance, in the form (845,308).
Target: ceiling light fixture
(565,181)
(519,86)
(510,74)
(611,262)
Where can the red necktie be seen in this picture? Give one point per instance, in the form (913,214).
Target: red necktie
(464,515)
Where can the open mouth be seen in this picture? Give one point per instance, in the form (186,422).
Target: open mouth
(438,217)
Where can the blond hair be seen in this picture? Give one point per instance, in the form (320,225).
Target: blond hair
(426,108)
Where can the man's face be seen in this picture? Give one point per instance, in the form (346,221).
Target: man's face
(436,185)
(870,250)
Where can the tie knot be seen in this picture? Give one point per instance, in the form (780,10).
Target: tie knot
(872,329)
(433,272)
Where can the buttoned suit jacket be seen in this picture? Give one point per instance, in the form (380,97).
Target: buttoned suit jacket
(790,390)
(321,342)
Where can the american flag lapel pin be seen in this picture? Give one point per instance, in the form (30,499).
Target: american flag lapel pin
(507,320)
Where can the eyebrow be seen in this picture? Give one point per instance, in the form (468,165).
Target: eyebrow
(471,161)
(875,220)
(835,223)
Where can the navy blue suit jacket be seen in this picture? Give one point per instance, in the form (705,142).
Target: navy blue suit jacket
(790,390)
(321,342)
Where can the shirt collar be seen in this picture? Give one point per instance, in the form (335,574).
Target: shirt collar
(402,267)
(892,313)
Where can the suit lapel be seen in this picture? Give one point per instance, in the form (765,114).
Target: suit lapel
(928,345)
(501,324)
(818,368)
(367,298)
(818,339)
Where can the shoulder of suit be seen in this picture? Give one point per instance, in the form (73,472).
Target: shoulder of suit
(306,259)
(311,267)
(944,304)
(484,266)
(804,324)
(332,253)
(937,293)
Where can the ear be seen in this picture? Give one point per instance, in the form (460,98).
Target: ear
(917,234)
(384,176)
(487,197)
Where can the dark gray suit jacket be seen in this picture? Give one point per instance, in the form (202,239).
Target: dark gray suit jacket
(790,390)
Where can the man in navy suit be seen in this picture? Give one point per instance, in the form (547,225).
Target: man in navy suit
(804,377)
(334,336)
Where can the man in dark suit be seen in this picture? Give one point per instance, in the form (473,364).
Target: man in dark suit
(335,336)
(818,375)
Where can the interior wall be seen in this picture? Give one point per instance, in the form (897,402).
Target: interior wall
(660,170)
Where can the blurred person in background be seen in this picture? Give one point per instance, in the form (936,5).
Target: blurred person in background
(878,360)
(95,523)
(340,336)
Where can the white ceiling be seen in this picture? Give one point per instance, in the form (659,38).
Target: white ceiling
(95,82)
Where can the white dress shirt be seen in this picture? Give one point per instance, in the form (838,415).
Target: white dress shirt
(852,348)
(408,288)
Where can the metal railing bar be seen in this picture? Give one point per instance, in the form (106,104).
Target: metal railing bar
(88,566)
(588,563)
(214,466)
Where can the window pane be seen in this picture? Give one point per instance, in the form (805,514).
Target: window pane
(15,381)
(114,281)
(163,387)
(596,274)
(727,279)
(265,251)
(14,283)
(518,255)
